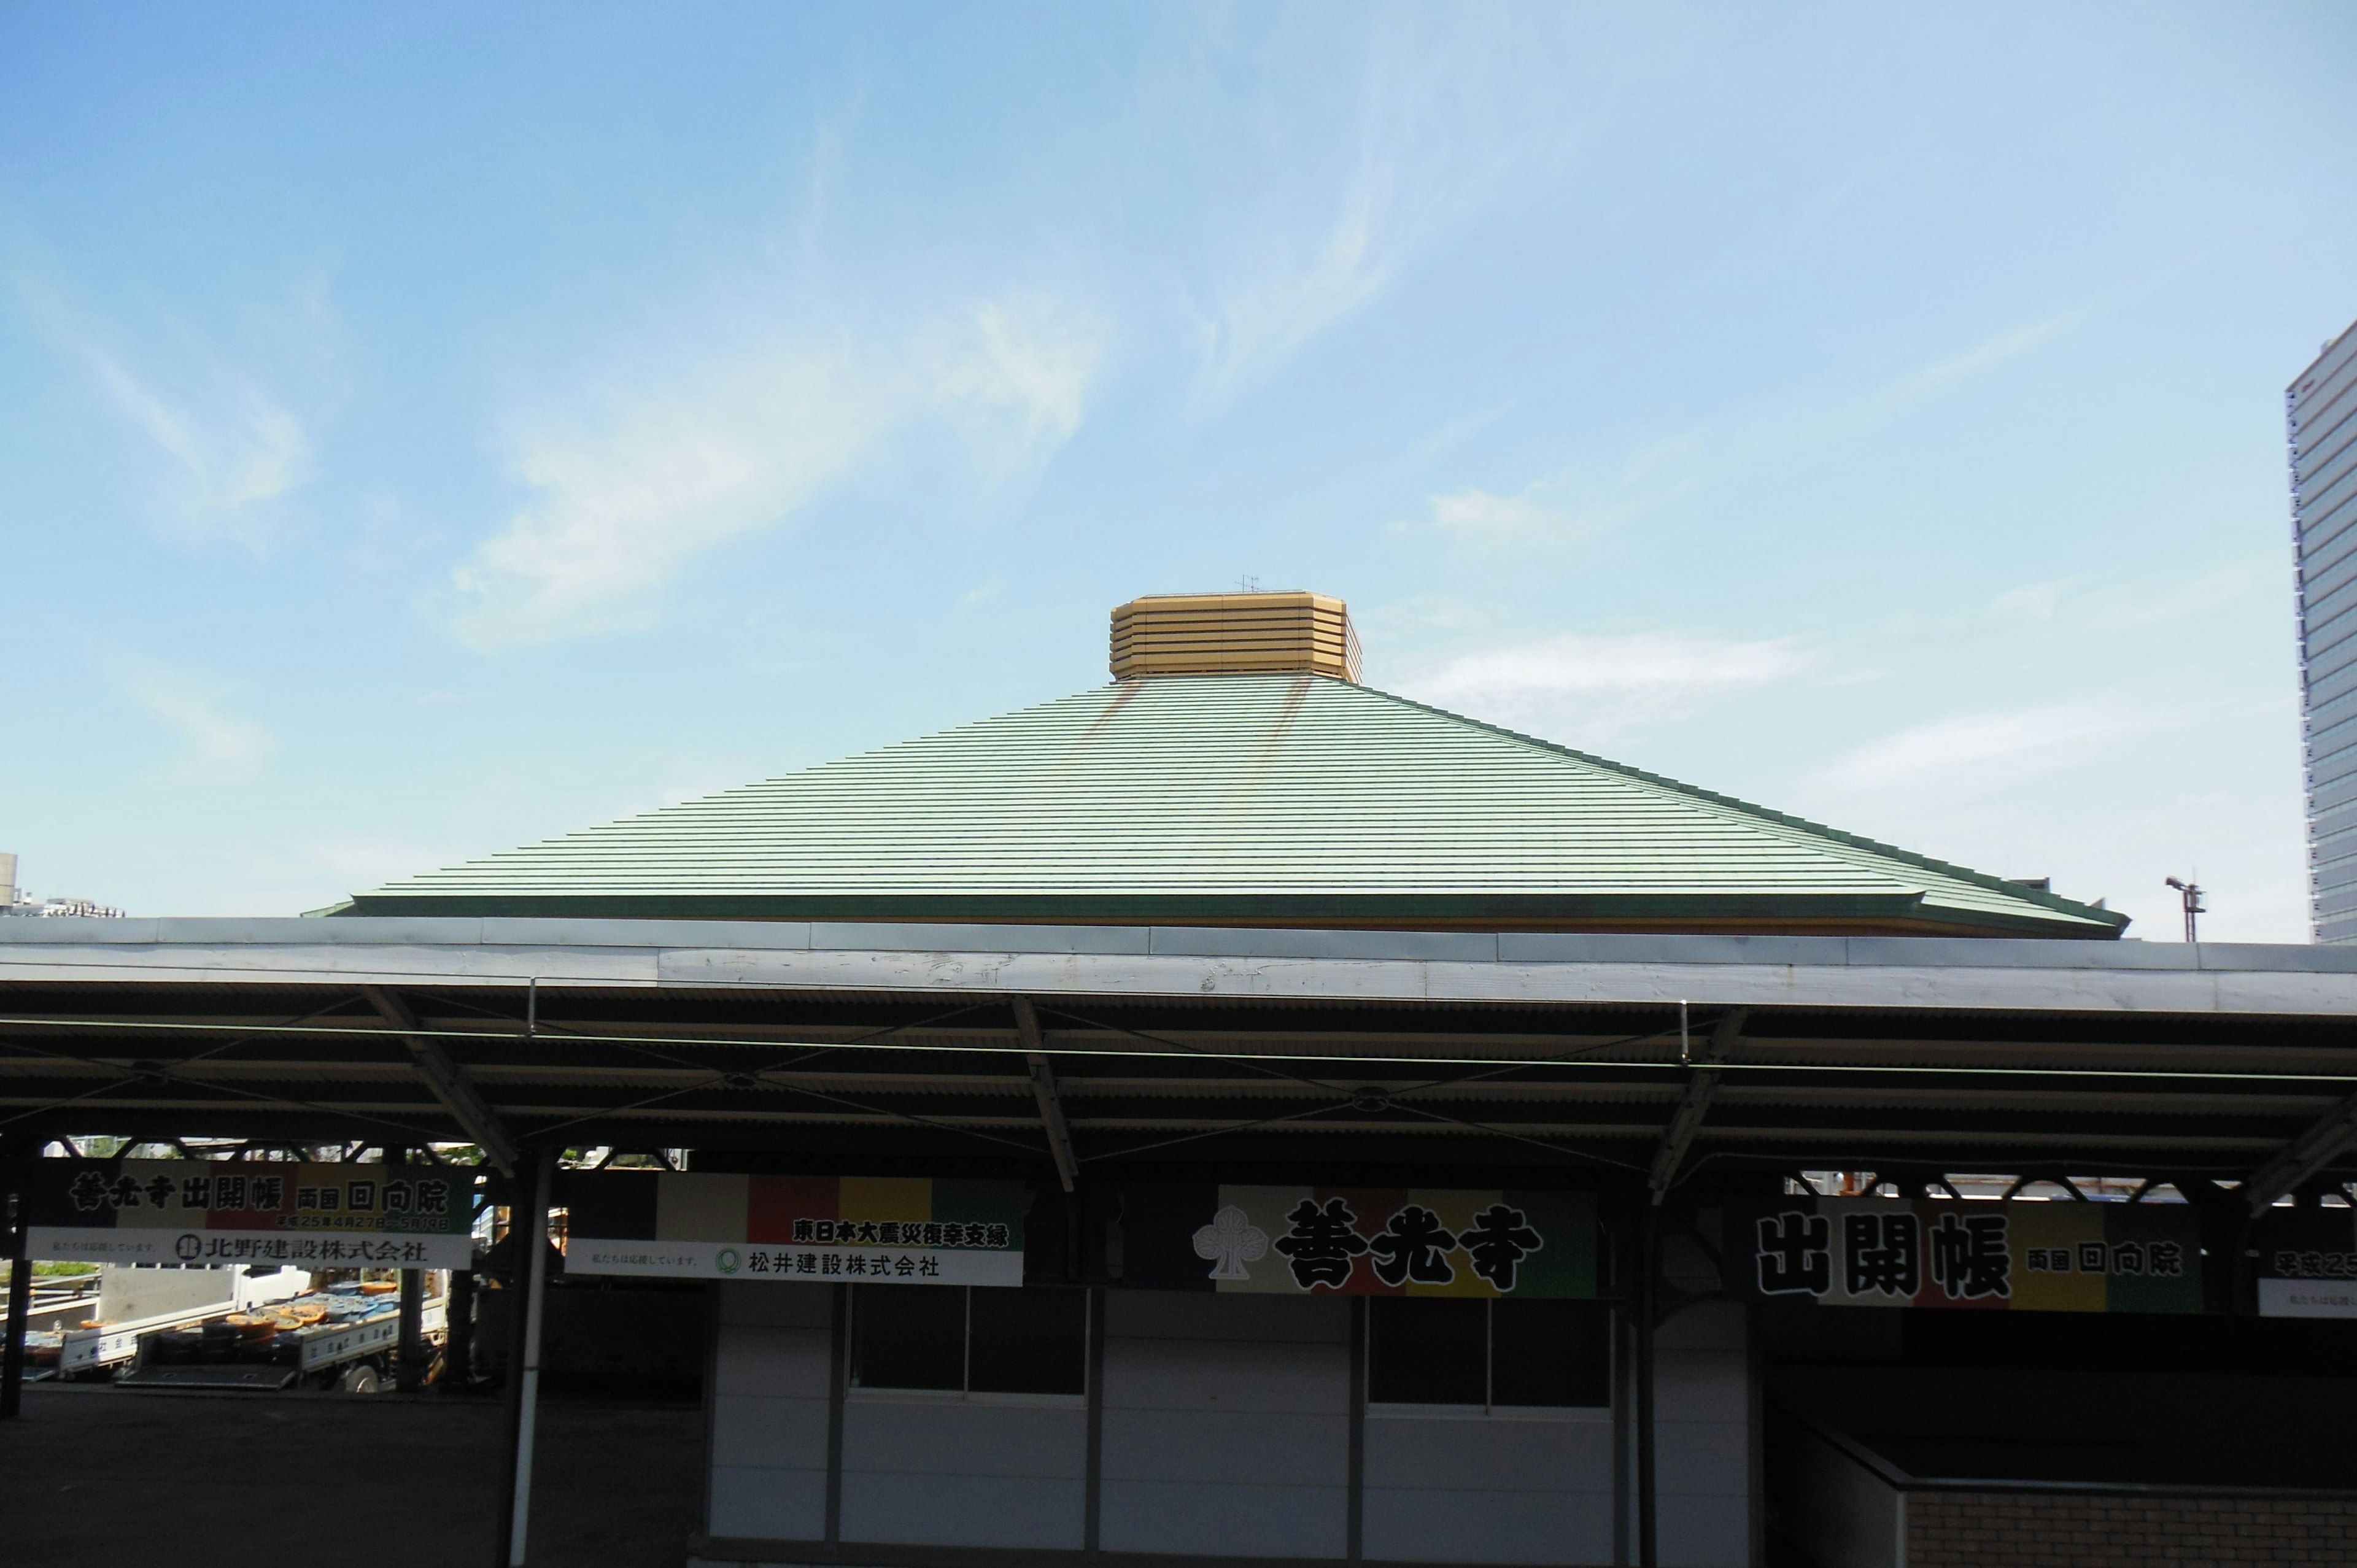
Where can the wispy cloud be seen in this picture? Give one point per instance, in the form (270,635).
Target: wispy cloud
(1586,690)
(1936,378)
(1565,506)
(621,498)
(226,464)
(215,742)
(1593,497)
(2123,602)
(1978,753)
(1017,378)
(226,449)
(1263,320)
(1449,117)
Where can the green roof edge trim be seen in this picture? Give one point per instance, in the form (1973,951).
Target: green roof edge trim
(1214,909)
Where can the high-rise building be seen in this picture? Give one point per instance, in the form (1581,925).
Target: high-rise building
(2321,411)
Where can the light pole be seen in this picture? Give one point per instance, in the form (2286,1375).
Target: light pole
(2189,895)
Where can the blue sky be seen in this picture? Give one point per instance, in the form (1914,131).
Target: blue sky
(434,428)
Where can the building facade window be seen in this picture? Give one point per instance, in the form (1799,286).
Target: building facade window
(967,1339)
(1490,1355)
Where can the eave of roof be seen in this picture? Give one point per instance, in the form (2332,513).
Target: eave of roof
(1777,914)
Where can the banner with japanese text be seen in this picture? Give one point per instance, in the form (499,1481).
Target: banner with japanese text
(874,1229)
(1359,1241)
(2307,1262)
(262,1212)
(2027,1256)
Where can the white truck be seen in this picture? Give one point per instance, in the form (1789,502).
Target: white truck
(354,1350)
(133,1303)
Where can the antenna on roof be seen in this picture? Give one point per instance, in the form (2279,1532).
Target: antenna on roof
(2189,893)
(1248,585)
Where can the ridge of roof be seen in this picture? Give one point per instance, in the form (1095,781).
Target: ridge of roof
(1783,818)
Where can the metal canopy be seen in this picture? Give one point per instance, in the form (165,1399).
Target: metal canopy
(1411,1055)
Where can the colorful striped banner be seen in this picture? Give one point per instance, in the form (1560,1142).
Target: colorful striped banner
(1294,1240)
(871,1230)
(261,1212)
(1990,1256)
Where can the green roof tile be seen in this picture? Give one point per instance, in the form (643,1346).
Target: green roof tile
(1217,798)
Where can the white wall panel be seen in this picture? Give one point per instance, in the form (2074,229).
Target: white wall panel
(971,1471)
(1702,1416)
(1226,1433)
(1226,1424)
(1489,1489)
(768,1410)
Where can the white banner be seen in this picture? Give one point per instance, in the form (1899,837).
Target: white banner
(2307,1298)
(299,1249)
(827,1265)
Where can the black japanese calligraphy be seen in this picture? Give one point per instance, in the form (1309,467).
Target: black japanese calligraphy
(1413,1246)
(1795,1256)
(89,1190)
(1969,1256)
(1498,1240)
(1320,1242)
(1881,1253)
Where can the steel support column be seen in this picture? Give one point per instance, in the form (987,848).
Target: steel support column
(1354,1525)
(528,1228)
(2324,1141)
(460,1098)
(17,1215)
(1695,1103)
(1092,1487)
(458,1331)
(409,1349)
(1043,1091)
(838,1385)
(1648,1268)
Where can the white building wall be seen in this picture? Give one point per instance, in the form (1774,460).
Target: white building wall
(976,1470)
(1226,1433)
(1227,1424)
(1702,1437)
(770,1371)
(1494,1489)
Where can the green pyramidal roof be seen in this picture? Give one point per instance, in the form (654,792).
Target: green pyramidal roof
(1299,800)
